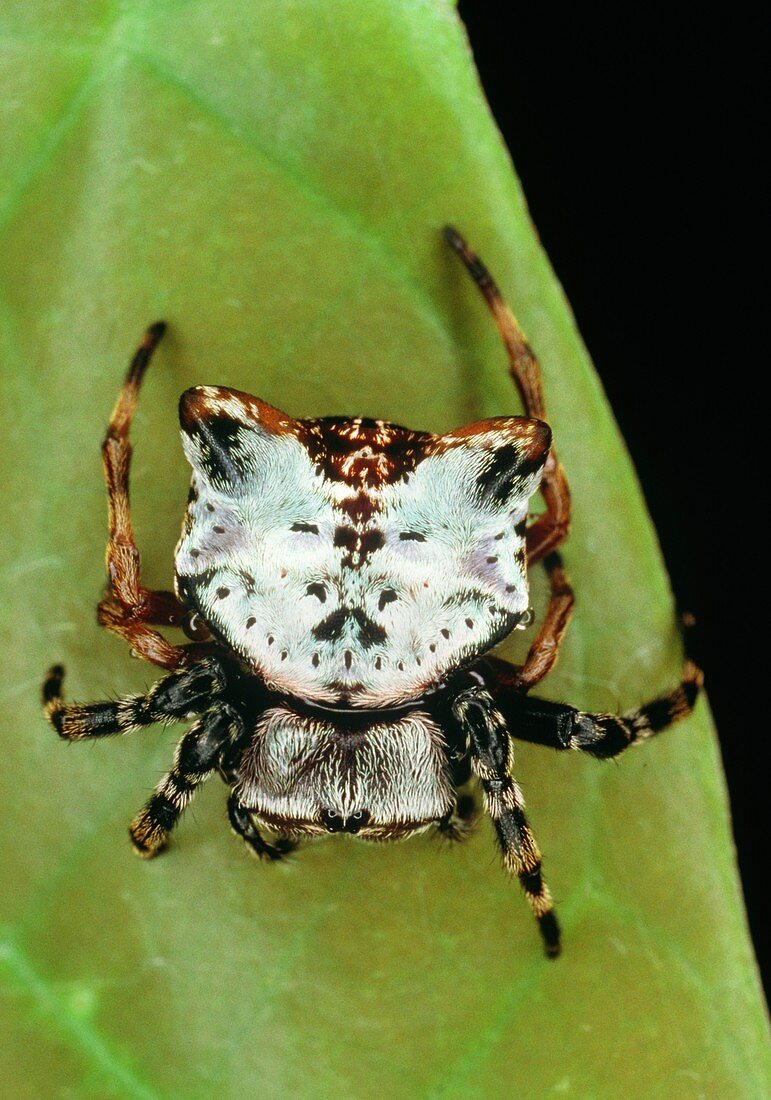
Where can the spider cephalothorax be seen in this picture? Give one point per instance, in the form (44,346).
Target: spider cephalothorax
(344,579)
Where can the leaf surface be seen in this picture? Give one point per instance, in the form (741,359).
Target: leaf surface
(271,179)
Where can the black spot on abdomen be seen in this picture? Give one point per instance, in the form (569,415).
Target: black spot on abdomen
(370,632)
(386,596)
(331,628)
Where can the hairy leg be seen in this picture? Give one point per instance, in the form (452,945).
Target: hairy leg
(550,529)
(546,533)
(197,756)
(544,651)
(459,823)
(243,826)
(130,608)
(477,713)
(176,696)
(559,726)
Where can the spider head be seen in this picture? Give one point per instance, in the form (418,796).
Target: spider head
(351,561)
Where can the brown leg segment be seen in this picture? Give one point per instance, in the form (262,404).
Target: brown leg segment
(545,649)
(550,529)
(129,608)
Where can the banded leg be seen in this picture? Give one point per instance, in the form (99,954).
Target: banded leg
(477,713)
(176,696)
(550,529)
(559,726)
(243,826)
(196,757)
(131,607)
(544,651)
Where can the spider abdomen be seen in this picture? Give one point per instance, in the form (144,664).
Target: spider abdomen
(350,561)
(382,780)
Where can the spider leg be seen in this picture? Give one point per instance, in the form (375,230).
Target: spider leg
(477,713)
(243,826)
(559,726)
(458,824)
(158,608)
(544,651)
(176,696)
(550,529)
(131,607)
(196,757)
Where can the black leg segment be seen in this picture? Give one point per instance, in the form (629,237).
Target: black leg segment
(459,823)
(176,696)
(243,826)
(559,726)
(475,709)
(197,755)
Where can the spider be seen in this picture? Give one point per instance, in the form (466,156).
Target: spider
(340,580)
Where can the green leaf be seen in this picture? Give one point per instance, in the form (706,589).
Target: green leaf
(271,179)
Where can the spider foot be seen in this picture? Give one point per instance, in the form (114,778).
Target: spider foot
(148,837)
(460,822)
(242,824)
(262,849)
(279,849)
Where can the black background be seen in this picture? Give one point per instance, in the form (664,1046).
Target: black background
(638,145)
